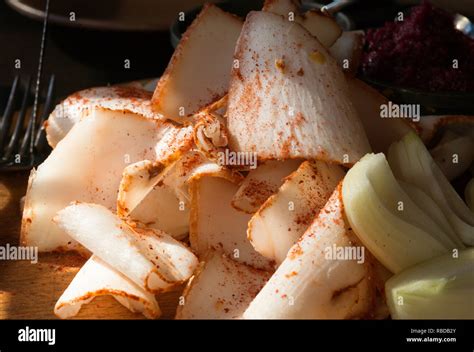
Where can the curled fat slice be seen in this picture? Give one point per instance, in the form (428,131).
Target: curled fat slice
(323,26)
(141,178)
(210,134)
(381,132)
(97,278)
(152,259)
(161,209)
(285,216)
(282,7)
(157,196)
(320,25)
(327,274)
(433,127)
(451,139)
(192,165)
(261,183)
(454,156)
(80,104)
(347,50)
(218,106)
(87,166)
(137,181)
(215,224)
(214,130)
(288,98)
(174,143)
(207,45)
(221,288)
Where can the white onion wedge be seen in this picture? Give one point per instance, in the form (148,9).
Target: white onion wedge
(151,259)
(347,50)
(285,216)
(80,104)
(288,98)
(312,282)
(433,211)
(368,101)
(97,278)
(397,231)
(412,163)
(220,289)
(87,166)
(320,25)
(199,70)
(261,183)
(215,224)
(440,288)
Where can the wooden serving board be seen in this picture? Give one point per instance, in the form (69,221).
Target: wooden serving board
(30,291)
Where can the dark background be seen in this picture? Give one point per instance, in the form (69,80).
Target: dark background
(79,58)
(82,58)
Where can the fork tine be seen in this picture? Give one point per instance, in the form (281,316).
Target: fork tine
(8,112)
(26,145)
(28,134)
(40,140)
(18,124)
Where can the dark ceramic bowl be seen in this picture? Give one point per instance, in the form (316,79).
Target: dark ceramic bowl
(432,103)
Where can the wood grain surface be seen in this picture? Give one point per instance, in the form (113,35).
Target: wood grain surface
(29,291)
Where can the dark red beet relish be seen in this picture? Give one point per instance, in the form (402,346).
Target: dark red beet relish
(419,52)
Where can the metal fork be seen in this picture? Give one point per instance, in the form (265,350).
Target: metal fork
(24,147)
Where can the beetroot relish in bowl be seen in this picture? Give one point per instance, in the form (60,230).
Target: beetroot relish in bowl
(418,52)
